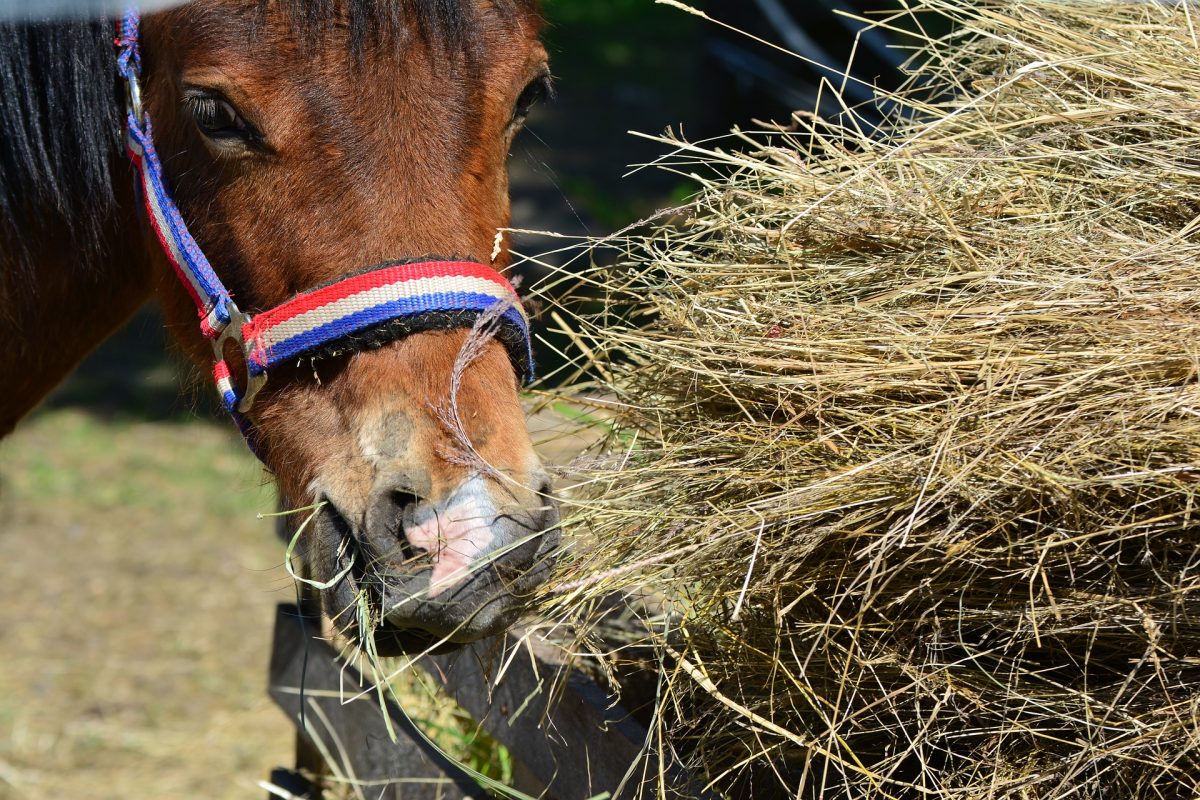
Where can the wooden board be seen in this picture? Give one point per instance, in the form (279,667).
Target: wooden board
(306,675)
(568,739)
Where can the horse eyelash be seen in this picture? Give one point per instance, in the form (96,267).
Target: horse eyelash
(203,105)
(538,90)
(199,107)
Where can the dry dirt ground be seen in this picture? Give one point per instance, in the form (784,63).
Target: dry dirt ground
(138,593)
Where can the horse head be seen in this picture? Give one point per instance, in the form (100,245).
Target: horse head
(302,142)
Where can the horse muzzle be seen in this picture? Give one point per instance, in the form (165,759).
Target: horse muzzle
(443,573)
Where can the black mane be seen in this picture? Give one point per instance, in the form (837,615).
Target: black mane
(61,108)
(60,124)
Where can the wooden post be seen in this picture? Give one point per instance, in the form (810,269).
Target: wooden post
(567,738)
(313,687)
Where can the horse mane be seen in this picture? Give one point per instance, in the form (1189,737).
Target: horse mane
(60,123)
(61,108)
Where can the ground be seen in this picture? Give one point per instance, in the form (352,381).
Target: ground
(139,593)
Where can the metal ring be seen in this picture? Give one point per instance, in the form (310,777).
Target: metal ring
(233,330)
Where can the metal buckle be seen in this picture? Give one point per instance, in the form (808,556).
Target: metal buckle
(133,97)
(233,331)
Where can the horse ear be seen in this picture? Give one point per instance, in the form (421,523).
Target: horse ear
(31,10)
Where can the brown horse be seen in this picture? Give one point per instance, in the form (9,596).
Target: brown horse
(302,140)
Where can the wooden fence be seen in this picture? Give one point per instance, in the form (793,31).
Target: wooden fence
(568,738)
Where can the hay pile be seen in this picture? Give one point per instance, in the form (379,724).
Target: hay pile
(907,429)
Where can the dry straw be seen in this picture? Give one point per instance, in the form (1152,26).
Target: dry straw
(906,427)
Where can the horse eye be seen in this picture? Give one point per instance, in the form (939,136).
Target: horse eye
(538,90)
(217,118)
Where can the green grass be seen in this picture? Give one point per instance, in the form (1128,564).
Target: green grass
(70,456)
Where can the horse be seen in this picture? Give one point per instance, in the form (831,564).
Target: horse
(300,141)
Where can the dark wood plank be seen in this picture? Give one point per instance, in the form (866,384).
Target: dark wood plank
(306,674)
(562,727)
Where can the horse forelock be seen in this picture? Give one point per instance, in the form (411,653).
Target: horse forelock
(447,22)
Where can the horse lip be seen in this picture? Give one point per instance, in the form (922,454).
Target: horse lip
(330,515)
(408,621)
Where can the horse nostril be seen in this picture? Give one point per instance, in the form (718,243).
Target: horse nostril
(392,511)
(406,502)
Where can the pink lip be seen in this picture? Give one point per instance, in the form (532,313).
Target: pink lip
(455,537)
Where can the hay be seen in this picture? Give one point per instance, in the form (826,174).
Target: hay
(906,430)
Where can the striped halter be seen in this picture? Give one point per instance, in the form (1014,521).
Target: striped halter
(367,309)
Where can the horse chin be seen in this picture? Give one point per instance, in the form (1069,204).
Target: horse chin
(403,623)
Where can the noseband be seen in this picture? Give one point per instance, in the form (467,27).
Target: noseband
(367,309)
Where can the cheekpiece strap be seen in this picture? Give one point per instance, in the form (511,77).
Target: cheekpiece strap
(211,298)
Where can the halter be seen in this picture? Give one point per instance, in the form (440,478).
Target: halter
(367,309)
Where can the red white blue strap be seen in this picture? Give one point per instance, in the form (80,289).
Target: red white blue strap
(191,267)
(423,295)
(362,310)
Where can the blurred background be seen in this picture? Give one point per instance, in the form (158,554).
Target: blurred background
(634,65)
(138,582)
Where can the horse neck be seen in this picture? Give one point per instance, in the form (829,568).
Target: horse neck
(60,305)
